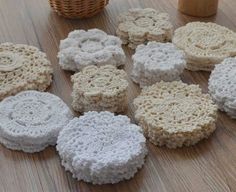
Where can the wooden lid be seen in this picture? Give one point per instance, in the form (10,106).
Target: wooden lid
(199,8)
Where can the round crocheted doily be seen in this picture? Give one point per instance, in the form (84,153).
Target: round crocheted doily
(140,25)
(100,88)
(175,114)
(205,44)
(157,61)
(222,86)
(102,148)
(93,47)
(23,67)
(32,118)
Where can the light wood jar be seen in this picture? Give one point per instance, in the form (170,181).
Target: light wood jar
(198,8)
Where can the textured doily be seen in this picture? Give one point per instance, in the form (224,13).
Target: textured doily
(205,44)
(102,148)
(23,67)
(175,114)
(100,88)
(140,25)
(222,86)
(157,61)
(32,119)
(26,147)
(93,47)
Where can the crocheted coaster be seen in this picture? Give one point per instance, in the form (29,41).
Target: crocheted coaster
(93,47)
(222,86)
(157,61)
(100,88)
(23,67)
(102,148)
(31,120)
(28,148)
(175,114)
(205,44)
(140,25)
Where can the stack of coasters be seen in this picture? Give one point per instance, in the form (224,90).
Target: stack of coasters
(205,44)
(100,88)
(222,86)
(140,25)
(175,114)
(93,47)
(31,120)
(157,61)
(23,67)
(102,148)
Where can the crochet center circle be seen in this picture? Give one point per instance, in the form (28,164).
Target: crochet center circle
(144,22)
(205,40)
(92,45)
(10,61)
(160,58)
(31,112)
(178,111)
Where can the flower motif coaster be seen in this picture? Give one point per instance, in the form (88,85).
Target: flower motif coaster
(222,86)
(138,26)
(175,114)
(100,88)
(23,67)
(157,61)
(31,120)
(102,148)
(93,47)
(205,44)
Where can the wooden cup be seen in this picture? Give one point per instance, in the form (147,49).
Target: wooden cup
(198,8)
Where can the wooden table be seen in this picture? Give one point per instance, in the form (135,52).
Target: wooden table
(207,166)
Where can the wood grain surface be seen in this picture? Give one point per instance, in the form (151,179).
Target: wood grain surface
(207,166)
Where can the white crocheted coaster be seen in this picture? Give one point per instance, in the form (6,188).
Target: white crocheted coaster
(28,148)
(93,47)
(100,88)
(140,25)
(102,148)
(175,114)
(157,61)
(23,67)
(32,119)
(205,44)
(222,86)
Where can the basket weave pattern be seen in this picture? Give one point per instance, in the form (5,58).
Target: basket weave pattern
(78,8)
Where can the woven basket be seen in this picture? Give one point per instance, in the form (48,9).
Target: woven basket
(78,8)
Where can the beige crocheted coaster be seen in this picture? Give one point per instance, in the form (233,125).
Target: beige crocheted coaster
(23,67)
(98,89)
(175,114)
(140,25)
(205,44)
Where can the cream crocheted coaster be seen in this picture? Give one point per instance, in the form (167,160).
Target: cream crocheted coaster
(23,67)
(157,61)
(140,25)
(175,114)
(102,148)
(93,47)
(100,88)
(205,44)
(222,86)
(31,120)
